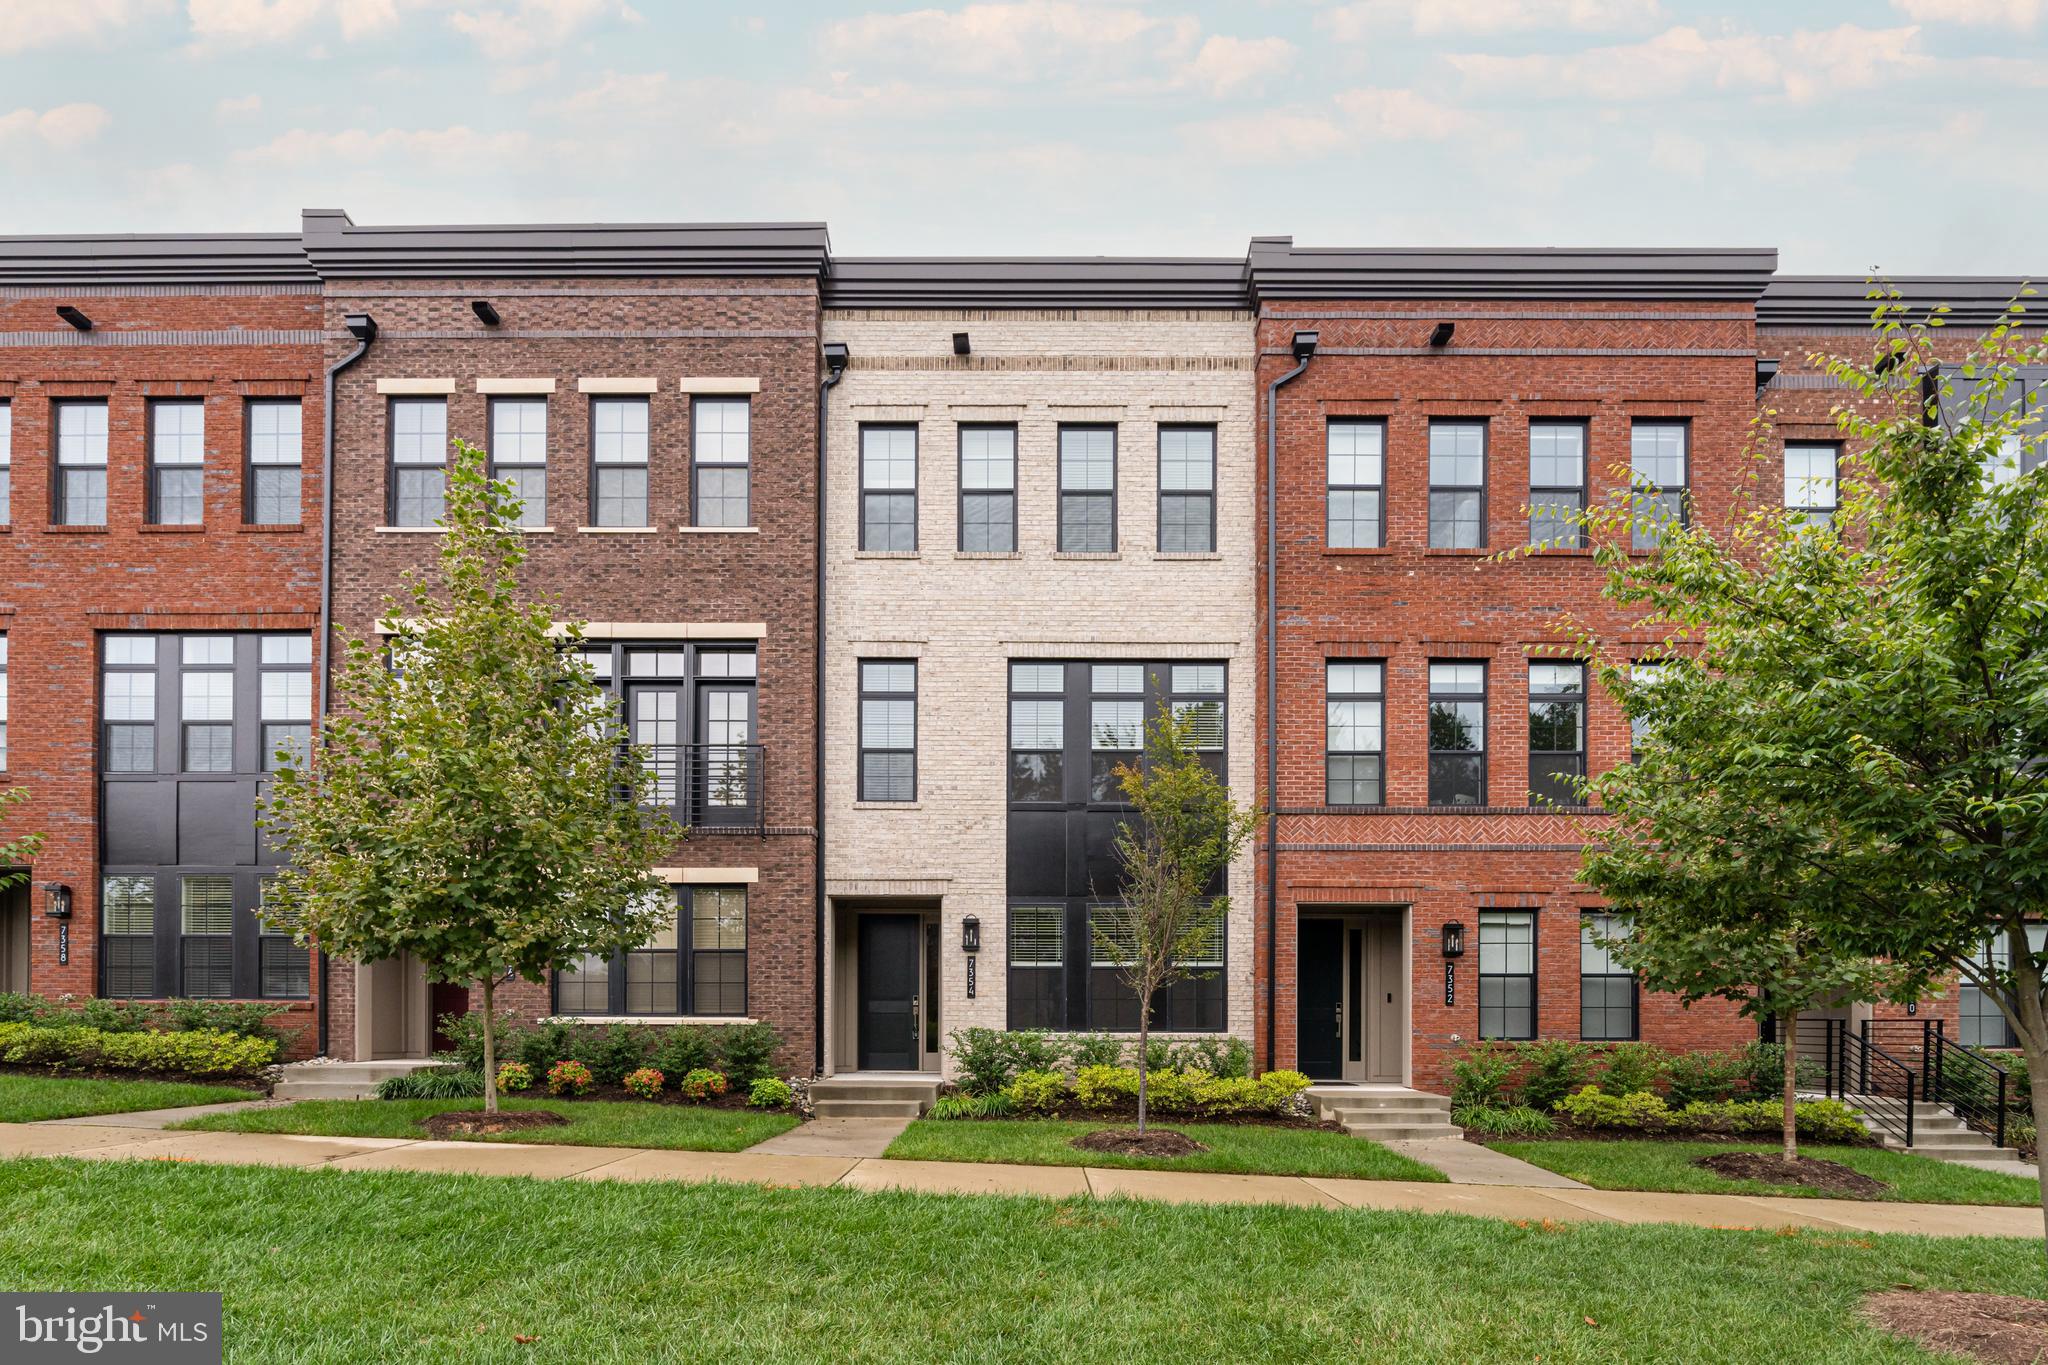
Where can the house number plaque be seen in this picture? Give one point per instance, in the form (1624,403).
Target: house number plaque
(1450,983)
(970,978)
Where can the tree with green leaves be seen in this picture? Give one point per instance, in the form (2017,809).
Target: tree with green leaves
(1875,690)
(17,852)
(1174,855)
(469,800)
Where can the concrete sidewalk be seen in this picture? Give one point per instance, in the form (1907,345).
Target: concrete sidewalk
(1520,1203)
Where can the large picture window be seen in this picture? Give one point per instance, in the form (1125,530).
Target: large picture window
(1507,974)
(1038,966)
(1192,1005)
(695,964)
(128,937)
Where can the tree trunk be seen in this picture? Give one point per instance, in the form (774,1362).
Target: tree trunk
(2032,1030)
(1788,1024)
(1144,1047)
(490,1050)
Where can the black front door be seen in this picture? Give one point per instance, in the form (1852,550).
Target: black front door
(888,992)
(1319,1009)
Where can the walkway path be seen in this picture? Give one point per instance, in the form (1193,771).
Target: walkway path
(113,1142)
(834,1137)
(1468,1163)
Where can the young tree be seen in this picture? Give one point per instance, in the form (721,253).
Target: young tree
(468,800)
(1174,856)
(18,852)
(1893,670)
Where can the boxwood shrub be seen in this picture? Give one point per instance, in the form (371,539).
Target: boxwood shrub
(194,1052)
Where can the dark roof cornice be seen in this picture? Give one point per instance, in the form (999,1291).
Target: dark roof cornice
(1843,300)
(339,249)
(155,258)
(1035,282)
(1278,269)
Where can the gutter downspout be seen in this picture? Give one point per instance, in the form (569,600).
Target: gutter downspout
(835,369)
(1273,708)
(364,328)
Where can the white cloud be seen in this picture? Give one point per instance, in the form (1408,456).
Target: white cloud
(1355,117)
(1801,65)
(240,106)
(1365,19)
(245,22)
(1225,64)
(454,148)
(30,24)
(1401,115)
(2014,14)
(64,126)
(507,32)
(1022,41)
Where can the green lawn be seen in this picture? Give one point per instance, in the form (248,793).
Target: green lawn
(592,1123)
(1242,1149)
(321,1266)
(1641,1165)
(30,1099)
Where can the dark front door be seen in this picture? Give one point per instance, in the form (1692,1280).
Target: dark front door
(445,998)
(1319,1010)
(888,993)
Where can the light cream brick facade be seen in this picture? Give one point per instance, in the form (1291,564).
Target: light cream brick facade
(963,617)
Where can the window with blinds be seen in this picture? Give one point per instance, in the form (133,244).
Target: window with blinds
(1037,966)
(206,915)
(128,937)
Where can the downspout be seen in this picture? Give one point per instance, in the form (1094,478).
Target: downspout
(835,367)
(363,328)
(1304,350)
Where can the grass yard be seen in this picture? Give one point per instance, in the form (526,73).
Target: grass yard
(1242,1149)
(1641,1165)
(592,1123)
(31,1099)
(321,1266)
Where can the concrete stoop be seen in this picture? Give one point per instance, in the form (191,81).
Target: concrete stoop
(341,1080)
(874,1097)
(1385,1114)
(1938,1133)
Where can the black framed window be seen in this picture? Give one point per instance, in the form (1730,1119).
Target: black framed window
(276,460)
(1354,734)
(1507,974)
(695,964)
(1194,1005)
(1199,695)
(6,464)
(1607,990)
(1116,726)
(1357,471)
(81,482)
(519,454)
(206,926)
(988,489)
(1643,674)
(1087,490)
(1038,966)
(287,697)
(888,729)
(888,488)
(128,937)
(1557,733)
(1187,490)
(721,445)
(1982,1023)
(419,461)
(284,969)
(1812,473)
(3,703)
(1457,733)
(1658,460)
(128,703)
(1457,485)
(1038,732)
(618,462)
(206,703)
(1557,484)
(177,462)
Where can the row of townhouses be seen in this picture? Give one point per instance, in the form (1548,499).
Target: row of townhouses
(916,546)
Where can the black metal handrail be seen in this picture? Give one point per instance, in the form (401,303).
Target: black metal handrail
(710,786)
(1972,1086)
(1860,1073)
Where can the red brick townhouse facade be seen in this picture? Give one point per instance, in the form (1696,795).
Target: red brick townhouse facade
(652,391)
(159,588)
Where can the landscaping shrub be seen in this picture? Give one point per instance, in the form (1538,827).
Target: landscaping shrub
(644,1082)
(539,1047)
(1704,1077)
(569,1077)
(108,1016)
(1105,1087)
(250,1019)
(1095,1049)
(197,1054)
(515,1076)
(1515,1121)
(16,1008)
(989,1059)
(612,1050)
(770,1092)
(1591,1107)
(747,1051)
(1228,1058)
(1555,1068)
(1479,1078)
(701,1084)
(685,1048)
(1278,1088)
(1763,1070)
(466,1036)
(1630,1068)
(972,1107)
(1817,1120)
(1037,1092)
(434,1083)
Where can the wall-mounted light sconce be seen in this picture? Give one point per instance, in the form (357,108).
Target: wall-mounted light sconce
(361,326)
(970,934)
(485,313)
(960,344)
(1440,335)
(1305,344)
(1454,939)
(74,317)
(56,900)
(836,356)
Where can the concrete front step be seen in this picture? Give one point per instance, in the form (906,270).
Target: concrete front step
(839,1087)
(342,1080)
(1401,1132)
(873,1097)
(867,1109)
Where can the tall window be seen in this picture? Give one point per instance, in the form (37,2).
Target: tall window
(718,949)
(1354,737)
(283,968)
(419,461)
(519,453)
(128,937)
(721,436)
(1644,674)
(207,703)
(696,964)
(6,463)
(1194,1005)
(1982,1023)
(988,489)
(206,913)
(888,730)
(1457,734)
(276,454)
(1557,484)
(3,703)
(1187,489)
(128,703)
(81,464)
(287,705)
(1357,474)
(1557,733)
(1197,695)
(1038,735)
(618,454)
(1087,490)
(1038,966)
(888,488)
(177,458)
(1810,484)
(1507,974)
(1457,485)
(1116,725)
(1657,468)
(1607,990)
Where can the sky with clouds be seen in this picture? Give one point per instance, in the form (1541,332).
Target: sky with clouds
(1902,134)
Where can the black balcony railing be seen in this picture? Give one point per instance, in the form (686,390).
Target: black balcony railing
(710,786)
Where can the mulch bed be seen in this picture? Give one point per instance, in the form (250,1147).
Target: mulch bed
(1075,1113)
(1131,1142)
(2002,1329)
(735,1098)
(100,1073)
(476,1123)
(1565,1132)
(1830,1177)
